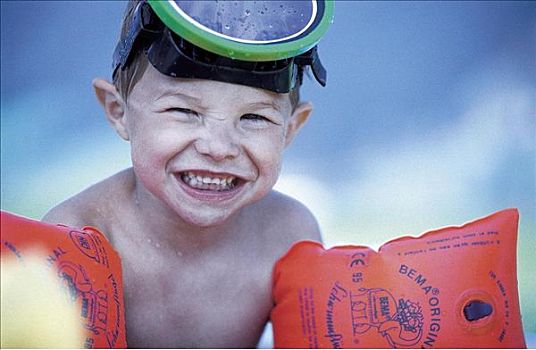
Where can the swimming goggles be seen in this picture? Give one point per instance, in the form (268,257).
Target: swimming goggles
(256,43)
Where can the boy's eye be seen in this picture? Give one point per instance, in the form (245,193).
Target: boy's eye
(256,118)
(183,111)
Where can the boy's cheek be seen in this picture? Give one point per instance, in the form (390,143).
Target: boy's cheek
(270,168)
(270,160)
(158,143)
(269,145)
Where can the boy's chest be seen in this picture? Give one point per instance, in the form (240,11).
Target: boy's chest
(207,302)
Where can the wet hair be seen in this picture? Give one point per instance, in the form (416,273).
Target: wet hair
(125,79)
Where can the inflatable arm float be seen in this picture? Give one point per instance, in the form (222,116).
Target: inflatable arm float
(86,267)
(451,288)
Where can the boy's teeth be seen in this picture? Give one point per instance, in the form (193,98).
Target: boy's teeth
(208,183)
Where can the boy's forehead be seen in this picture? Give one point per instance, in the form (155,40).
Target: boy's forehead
(155,85)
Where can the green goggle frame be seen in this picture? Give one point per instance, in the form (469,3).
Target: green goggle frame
(319,17)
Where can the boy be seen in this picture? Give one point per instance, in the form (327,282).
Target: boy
(195,220)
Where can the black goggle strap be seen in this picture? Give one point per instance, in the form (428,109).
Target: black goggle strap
(310,58)
(175,57)
(144,26)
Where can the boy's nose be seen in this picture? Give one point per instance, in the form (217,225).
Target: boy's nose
(218,144)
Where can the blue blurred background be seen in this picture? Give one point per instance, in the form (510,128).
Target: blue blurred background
(428,119)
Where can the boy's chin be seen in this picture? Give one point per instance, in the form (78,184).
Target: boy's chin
(205,221)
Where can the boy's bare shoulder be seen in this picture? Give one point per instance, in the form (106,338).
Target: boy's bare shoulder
(95,206)
(287,219)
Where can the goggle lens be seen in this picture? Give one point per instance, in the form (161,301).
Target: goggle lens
(250,22)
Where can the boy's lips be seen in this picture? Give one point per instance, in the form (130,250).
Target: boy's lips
(206,185)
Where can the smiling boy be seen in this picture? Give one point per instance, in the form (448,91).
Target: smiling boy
(195,220)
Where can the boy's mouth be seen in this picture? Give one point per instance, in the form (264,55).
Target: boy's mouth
(212,182)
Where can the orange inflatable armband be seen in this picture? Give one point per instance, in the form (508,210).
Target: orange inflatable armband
(85,264)
(451,288)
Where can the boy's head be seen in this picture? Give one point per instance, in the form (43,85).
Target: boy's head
(207,132)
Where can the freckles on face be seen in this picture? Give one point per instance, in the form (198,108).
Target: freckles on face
(154,141)
(181,129)
(266,154)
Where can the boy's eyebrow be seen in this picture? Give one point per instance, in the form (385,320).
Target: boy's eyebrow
(180,95)
(265,104)
(255,105)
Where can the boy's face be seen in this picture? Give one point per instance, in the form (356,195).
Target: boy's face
(206,148)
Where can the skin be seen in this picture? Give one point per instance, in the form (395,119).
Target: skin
(197,265)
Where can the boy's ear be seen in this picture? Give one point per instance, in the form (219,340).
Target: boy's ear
(298,118)
(113,105)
